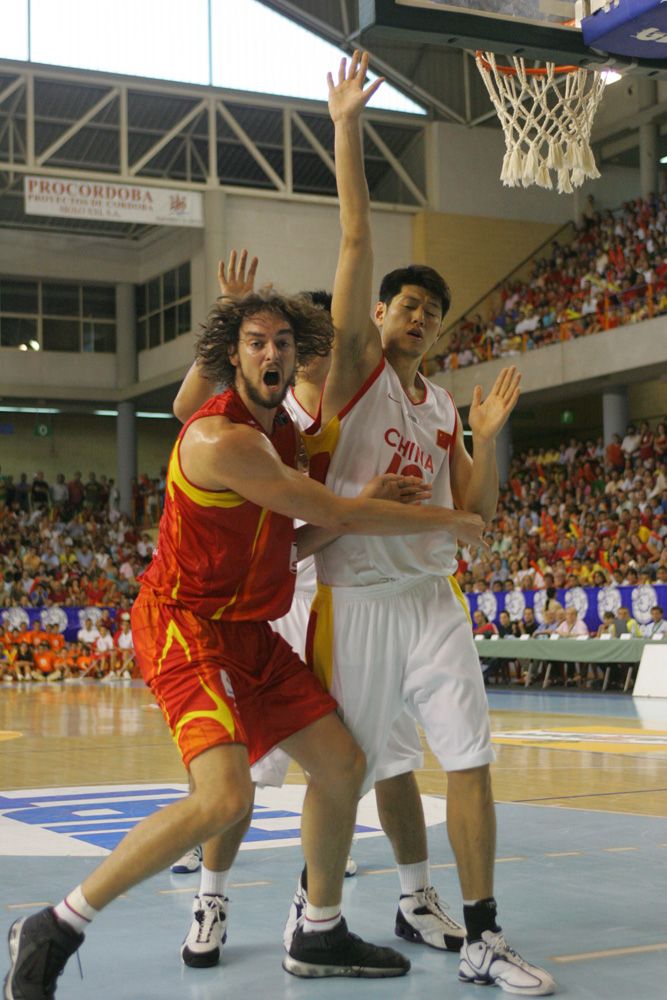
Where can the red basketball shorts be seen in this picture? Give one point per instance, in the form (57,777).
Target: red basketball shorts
(223,682)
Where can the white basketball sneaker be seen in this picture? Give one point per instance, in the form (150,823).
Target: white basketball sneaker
(421,917)
(187,864)
(491,962)
(208,932)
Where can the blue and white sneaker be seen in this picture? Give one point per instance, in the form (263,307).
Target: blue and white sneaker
(491,962)
(189,863)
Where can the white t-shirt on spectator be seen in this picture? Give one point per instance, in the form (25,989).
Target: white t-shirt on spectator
(104,643)
(88,635)
(124,640)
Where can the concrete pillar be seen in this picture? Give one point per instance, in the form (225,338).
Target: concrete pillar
(214,242)
(649,167)
(126,375)
(126,443)
(578,202)
(504,453)
(614,412)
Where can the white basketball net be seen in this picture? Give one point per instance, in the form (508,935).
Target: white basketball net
(547,120)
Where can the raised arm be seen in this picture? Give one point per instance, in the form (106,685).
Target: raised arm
(218,455)
(357,348)
(475,480)
(234,280)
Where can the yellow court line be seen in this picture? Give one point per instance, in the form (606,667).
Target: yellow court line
(190,889)
(26,906)
(619,850)
(640,949)
(563,854)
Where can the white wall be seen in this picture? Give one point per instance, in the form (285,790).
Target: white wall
(465,170)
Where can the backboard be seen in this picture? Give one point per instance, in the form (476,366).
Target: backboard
(535,29)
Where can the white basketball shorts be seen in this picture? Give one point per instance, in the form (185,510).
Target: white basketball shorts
(403,752)
(384,649)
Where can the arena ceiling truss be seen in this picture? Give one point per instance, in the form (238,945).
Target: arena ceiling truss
(80,124)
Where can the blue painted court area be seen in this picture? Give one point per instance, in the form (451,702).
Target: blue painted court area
(580,892)
(558,910)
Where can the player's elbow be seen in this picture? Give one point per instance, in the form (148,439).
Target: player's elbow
(179,409)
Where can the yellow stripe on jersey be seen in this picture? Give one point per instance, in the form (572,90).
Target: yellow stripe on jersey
(203,498)
(217,615)
(173,633)
(322,652)
(219,714)
(458,594)
(325,440)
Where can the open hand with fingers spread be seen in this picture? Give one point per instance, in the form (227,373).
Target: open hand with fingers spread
(234,280)
(348,97)
(487,418)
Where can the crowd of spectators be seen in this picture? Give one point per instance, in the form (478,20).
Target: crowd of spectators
(579,515)
(612,273)
(569,516)
(98,495)
(101,650)
(53,557)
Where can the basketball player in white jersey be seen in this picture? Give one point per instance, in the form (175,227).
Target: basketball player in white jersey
(392,630)
(421,917)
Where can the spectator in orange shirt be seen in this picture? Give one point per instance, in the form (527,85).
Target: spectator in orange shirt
(44,665)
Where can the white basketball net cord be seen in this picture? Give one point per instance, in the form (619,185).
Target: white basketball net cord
(547,120)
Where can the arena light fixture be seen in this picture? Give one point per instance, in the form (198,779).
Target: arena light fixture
(28,409)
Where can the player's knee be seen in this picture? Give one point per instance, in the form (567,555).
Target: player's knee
(227,807)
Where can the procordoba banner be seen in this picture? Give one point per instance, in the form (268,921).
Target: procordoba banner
(107,201)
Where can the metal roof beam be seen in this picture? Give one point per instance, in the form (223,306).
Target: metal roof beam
(326,158)
(395,163)
(251,147)
(167,138)
(77,126)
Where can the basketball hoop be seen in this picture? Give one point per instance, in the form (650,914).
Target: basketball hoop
(547,115)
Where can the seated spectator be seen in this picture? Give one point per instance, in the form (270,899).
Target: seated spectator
(657,625)
(104,652)
(125,647)
(88,635)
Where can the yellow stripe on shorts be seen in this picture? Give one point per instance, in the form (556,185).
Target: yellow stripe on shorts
(458,594)
(322,652)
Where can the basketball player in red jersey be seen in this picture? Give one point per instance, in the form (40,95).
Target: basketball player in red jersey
(228,686)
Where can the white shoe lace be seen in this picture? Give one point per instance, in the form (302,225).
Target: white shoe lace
(208,913)
(437,906)
(500,946)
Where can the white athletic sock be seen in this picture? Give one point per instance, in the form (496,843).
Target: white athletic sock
(321,918)
(414,878)
(75,910)
(213,883)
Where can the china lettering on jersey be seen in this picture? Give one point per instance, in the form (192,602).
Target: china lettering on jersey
(382,430)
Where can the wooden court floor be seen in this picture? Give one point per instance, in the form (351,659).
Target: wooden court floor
(581,786)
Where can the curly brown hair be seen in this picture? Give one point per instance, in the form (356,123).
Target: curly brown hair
(219,336)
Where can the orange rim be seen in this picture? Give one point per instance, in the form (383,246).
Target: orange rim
(511,71)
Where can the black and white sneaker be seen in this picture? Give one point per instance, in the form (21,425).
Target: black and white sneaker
(39,946)
(422,918)
(491,962)
(339,953)
(189,863)
(208,932)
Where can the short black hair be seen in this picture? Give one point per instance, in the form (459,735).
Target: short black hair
(416,274)
(319,297)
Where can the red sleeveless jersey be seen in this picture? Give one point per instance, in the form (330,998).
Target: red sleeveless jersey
(218,554)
